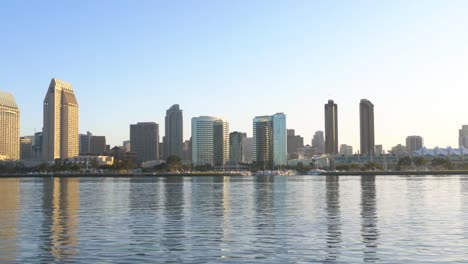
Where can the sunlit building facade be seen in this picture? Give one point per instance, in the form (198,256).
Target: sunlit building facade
(9,127)
(60,129)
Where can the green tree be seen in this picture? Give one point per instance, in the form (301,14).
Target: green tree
(404,162)
(174,163)
(419,161)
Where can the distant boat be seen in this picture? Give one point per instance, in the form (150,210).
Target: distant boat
(315,172)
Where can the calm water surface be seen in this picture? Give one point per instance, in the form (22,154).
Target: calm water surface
(303,219)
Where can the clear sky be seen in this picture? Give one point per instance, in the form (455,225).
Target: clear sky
(129,61)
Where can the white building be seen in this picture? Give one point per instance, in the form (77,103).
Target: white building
(210,141)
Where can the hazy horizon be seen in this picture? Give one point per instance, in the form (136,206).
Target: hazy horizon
(130,62)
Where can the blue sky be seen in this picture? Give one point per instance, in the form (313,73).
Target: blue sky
(129,61)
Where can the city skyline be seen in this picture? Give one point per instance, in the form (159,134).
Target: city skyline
(343,56)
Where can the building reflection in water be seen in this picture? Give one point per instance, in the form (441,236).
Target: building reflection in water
(369,229)
(334,235)
(173,237)
(264,211)
(9,208)
(61,203)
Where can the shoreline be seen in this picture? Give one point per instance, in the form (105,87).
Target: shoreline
(221,174)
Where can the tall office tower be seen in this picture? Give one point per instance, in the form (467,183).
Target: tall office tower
(463,136)
(97,145)
(210,141)
(9,127)
(270,140)
(26,152)
(85,143)
(60,130)
(414,143)
(318,142)
(247,150)
(331,128)
(174,132)
(235,146)
(294,141)
(366,113)
(144,141)
(37,146)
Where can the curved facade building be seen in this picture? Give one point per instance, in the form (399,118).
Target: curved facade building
(270,141)
(210,141)
(9,127)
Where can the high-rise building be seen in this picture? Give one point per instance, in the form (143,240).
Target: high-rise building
(60,130)
(318,142)
(37,146)
(331,128)
(463,136)
(294,141)
(9,127)
(235,146)
(346,150)
(144,141)
(414,143)
(270,140)
(98,145)
(85,143)
(26,152)
(247,150)
(174,132)
(210,141)
(366,113)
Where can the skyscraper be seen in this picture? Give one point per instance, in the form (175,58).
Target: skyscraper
(366,113)
(331,128)
(463,136)
(294,141)
(144,141)
(9,127)
(318,142)
(174,132)
(235,146)
(85,143)
(26,151)
(37,146)
(414,143)
(210,141)
(98,145)
(60,130)
(270,140)
(247,150)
